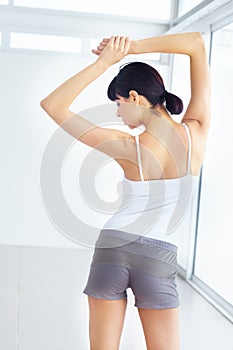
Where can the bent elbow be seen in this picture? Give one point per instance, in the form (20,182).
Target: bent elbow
(199,40)
(198,45)
(198,35)
(44,104)
(58,114)
(47,107)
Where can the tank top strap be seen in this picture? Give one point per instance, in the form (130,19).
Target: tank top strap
(139,157)
(189,146)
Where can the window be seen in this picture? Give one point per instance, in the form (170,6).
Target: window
(185,6)
(45,42)
(214,245)
(150,8)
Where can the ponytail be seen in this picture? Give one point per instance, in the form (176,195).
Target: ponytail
(173,103)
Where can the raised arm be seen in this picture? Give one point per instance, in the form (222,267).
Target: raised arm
(191,44)
(57,103)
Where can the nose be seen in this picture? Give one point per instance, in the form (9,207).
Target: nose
(118,112)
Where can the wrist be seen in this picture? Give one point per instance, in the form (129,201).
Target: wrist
(132,48)
(102,64)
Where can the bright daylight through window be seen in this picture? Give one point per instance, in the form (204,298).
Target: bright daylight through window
(45,42)
(120,7)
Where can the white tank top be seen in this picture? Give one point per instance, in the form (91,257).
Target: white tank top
(154,208)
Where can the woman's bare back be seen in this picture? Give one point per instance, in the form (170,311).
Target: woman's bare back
(165,157)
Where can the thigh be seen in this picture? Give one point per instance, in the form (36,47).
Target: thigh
(154,292)
(107,281)
(153,270)
(161,328)
(106,323)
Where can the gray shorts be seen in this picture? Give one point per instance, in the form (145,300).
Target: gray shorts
(148,266)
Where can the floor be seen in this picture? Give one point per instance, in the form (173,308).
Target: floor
(42,305)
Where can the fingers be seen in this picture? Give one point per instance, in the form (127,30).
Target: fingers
(115,40)
(127,44)
(112,40)
(124,44)
(113,49)
(96,52)
(101,46)
(120,42)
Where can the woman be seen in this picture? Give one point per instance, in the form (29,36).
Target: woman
(138,259)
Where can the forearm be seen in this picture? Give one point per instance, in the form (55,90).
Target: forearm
(64,95)
(183,43)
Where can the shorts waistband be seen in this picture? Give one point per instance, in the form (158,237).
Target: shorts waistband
(115,238)
(158,243)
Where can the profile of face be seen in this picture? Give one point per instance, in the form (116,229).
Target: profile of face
(129,112)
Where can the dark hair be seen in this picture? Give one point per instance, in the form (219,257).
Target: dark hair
(146,81)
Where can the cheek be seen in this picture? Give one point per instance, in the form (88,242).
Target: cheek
(124,114)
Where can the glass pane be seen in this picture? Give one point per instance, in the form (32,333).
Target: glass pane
(45,42)
(0,38)
(215,239)
(187,5)
(150,8)
(4,2)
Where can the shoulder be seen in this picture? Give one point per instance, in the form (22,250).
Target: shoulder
(198,131)
(199,136)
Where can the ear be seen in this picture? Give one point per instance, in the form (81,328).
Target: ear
(134,97)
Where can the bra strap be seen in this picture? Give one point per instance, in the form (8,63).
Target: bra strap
(139,157)
(189,145)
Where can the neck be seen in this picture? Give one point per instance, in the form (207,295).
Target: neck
(152,117)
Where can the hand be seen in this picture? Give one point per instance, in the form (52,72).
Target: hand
(113,50)
(101,46)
